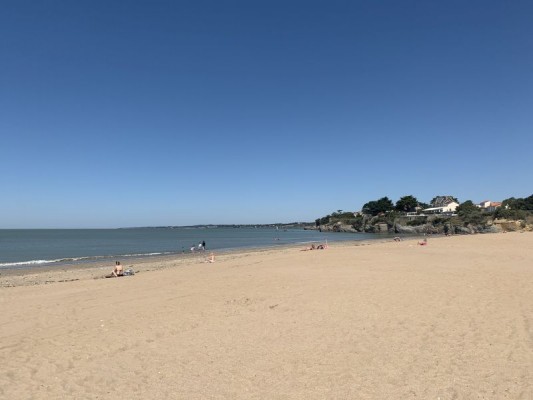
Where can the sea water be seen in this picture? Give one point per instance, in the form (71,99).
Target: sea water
(22,248)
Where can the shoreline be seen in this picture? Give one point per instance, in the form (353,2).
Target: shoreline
(107,245)
(34,275)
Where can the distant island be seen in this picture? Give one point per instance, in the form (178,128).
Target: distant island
(290,225)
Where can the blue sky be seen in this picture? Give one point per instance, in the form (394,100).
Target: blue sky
(134,113)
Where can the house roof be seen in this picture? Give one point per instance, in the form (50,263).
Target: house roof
(491,203)
(442,201)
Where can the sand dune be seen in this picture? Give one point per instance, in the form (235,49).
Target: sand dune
(451,320)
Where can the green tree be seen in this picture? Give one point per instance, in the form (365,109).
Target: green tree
(323,220)
(407,204)
(469,213)
(502,212)
(519,204)
(378,206)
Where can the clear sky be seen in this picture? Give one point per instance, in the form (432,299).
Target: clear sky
(130,113)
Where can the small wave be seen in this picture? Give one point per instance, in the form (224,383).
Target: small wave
(145,254)
(31,262)
(40,262)
(76,259)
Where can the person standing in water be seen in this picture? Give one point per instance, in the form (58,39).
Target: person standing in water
(203,244)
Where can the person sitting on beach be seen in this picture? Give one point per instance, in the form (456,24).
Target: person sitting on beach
(397,239)
(423,242)
(118,271)
(211,258)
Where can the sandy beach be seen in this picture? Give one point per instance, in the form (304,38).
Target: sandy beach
(450,320)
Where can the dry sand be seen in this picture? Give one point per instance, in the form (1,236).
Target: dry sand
(451,320)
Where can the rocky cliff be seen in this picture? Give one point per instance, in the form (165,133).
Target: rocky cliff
(429,225)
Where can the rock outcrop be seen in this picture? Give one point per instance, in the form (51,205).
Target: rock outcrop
(432,225)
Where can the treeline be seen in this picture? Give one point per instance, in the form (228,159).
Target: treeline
(468,212)
(383,205)
(513,208)
(525,204)
(375,207)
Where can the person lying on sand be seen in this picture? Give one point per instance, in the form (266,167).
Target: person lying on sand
(118,271)
(318,247)
(423,242)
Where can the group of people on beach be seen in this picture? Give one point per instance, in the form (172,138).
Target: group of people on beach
(201,246)
(317,247)
(422,242)
(119,269)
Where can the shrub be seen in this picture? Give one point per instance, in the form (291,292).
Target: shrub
(469,213)
(511,214)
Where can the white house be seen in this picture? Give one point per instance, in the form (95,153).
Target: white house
(448,208)
(490,206)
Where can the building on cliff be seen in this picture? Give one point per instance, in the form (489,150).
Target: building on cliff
(489,206)
(442,205)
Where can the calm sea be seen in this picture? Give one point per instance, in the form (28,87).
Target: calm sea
(20,248)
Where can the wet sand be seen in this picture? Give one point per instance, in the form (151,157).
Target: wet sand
(450,320)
